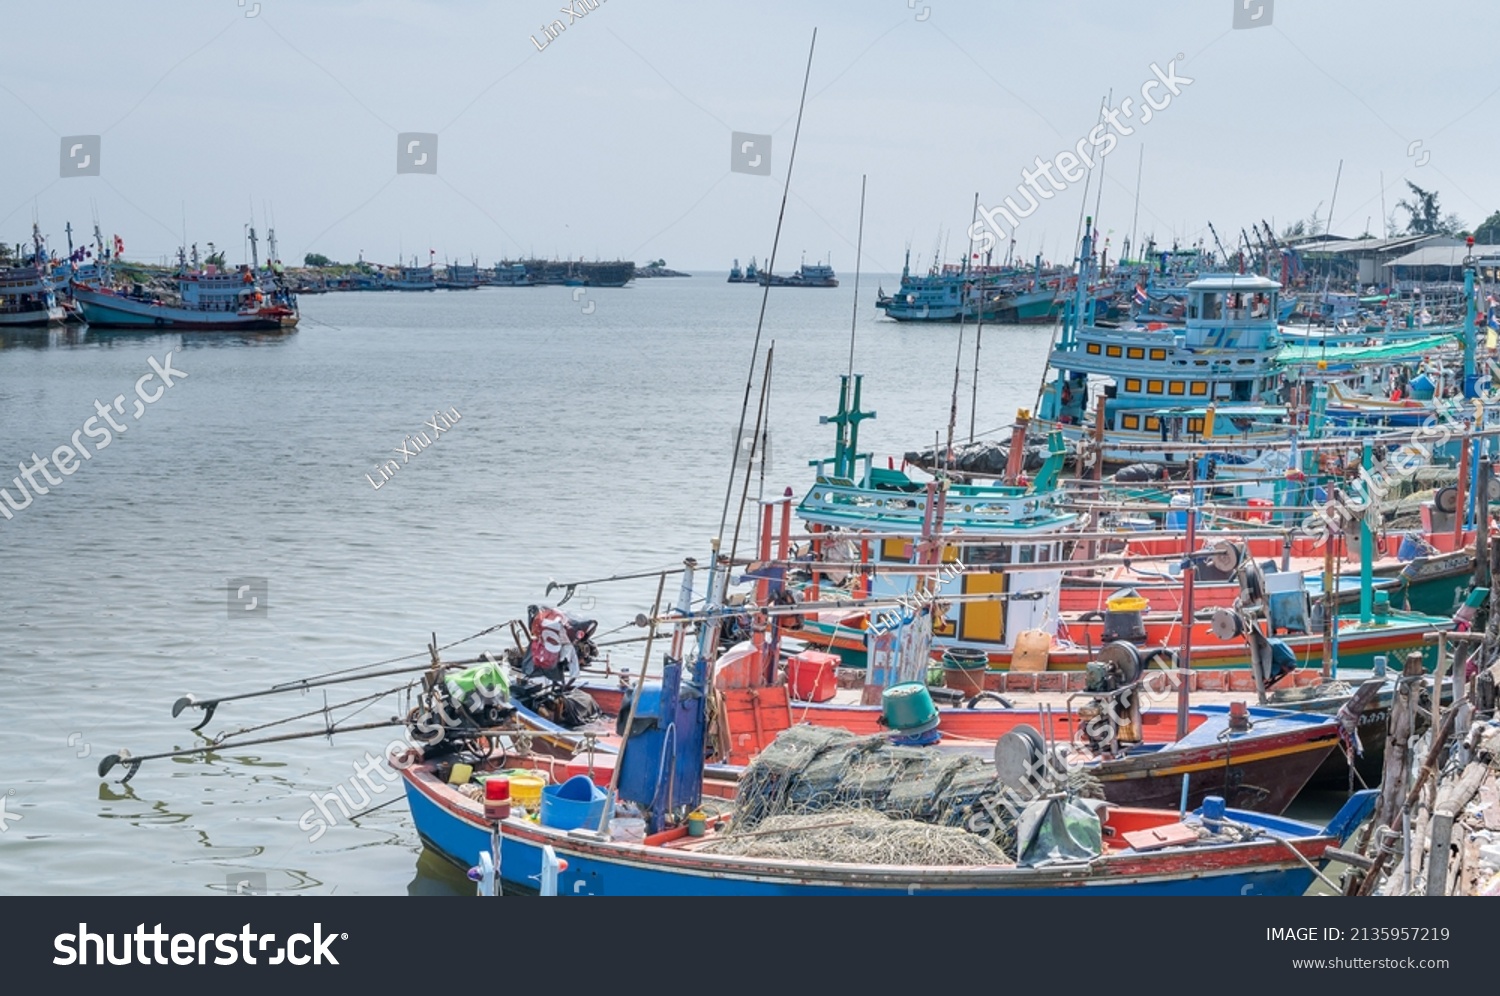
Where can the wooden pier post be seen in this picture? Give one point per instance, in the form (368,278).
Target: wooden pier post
(1398,743)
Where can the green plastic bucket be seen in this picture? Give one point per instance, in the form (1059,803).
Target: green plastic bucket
(908,708)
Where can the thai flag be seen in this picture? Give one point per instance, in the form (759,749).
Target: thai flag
(1140,295)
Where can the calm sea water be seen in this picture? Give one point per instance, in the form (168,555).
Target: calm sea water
(595,437)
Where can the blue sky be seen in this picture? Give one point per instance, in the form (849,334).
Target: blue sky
(614,139)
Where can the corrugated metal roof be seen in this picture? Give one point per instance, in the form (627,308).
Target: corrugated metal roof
(1394,244)
(1451,255)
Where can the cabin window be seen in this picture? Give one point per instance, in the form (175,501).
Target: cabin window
(1131,422)
(1025,554)
(1092,349)
(1153,424)
(1210,307)
(1195,425)
(1177,387)
(1112,351)
(897,550)
(1133,384)
(1044,553)
(1158,354)
(989,554)
(1200,389)
(1135,353)
(1153,386)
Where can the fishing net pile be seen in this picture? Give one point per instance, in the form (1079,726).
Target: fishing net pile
(860,836)
(937,807)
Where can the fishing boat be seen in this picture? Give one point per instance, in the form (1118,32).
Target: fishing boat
(27,291)
(807,275)
(578,273)
(509,275)
(1273,856)
(1142,756)
(458,276)
(657,767)
(408,278)
(207,298)
(1213,377)
(867,525)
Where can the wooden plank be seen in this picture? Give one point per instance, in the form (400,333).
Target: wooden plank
(1489,793)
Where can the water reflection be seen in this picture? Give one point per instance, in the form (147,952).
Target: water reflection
(55,337)
(437,876)
(73,336)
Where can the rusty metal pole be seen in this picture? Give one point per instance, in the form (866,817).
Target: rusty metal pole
(1185,658)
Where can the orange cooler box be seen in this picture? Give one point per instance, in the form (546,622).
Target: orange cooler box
(813,676)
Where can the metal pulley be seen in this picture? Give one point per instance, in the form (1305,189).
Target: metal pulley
(1019,757)
(1227,624)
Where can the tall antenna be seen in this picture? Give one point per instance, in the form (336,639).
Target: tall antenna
(1385,231)
(1140,162)
(958,357)
(858,258)
(766,292)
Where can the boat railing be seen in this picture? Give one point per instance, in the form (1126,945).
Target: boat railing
(969,505)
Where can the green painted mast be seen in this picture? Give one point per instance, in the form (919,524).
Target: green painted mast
(846,445)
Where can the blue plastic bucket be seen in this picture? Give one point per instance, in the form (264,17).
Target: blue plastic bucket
(1409,549)
(576,803)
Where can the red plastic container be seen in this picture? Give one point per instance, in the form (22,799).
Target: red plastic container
(604,767)
(497,798)
(813,676)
